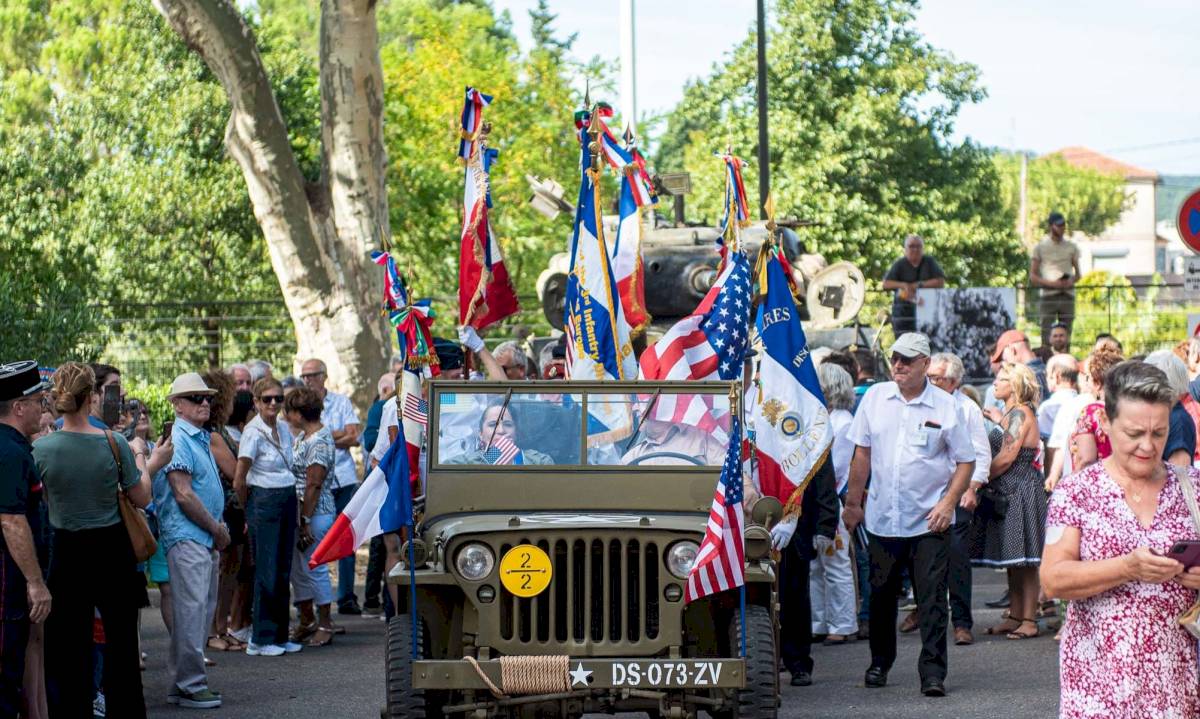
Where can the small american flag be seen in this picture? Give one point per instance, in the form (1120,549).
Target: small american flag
(721,560)
(502,451)
(416,409)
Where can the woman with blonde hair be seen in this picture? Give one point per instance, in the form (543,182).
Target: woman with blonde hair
(1010,529)
(92,565)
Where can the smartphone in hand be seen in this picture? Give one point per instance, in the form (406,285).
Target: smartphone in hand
(1186,552)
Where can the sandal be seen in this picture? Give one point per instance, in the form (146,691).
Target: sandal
(302,632)
(1018,634)
(317,641)
(1007,626)
(234,644)
(217,644)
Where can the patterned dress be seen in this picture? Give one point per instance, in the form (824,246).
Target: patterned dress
(1122,655)
(1016,539)
(1089,423)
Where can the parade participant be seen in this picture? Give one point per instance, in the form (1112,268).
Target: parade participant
(908,435)
(946,372)
(93,567)
(658,437)
(911,272)
(341,419)
(1122,653)
(192,531)
(511,359)
(313,465)
(831,579)
(1054,270)
(1060,338)
(498,425)
(492,367)
(267,488)
(1010,531)
(24,597)
(1089,442)
(1013,346)
(386,389)
(1181,437)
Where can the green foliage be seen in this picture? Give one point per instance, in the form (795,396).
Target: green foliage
(154,396)
(861,111)
(1090,200)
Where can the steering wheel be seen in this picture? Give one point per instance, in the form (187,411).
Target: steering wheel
(673,455)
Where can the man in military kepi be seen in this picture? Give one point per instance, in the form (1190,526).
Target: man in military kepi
(24,597)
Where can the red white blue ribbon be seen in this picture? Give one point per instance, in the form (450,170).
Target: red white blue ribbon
(472,120)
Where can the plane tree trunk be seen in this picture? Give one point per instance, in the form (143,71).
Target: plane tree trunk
(318,235)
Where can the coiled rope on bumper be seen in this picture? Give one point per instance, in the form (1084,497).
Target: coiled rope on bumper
(528,675)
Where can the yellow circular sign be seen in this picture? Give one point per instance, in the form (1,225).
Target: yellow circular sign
(525,570)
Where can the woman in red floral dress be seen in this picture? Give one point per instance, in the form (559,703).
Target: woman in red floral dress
(1123,655)
(1089,442)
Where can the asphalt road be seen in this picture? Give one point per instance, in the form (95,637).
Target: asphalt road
(993,677)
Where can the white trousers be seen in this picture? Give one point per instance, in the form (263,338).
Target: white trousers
(831,586)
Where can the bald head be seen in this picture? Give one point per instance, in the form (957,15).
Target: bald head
(1062,372)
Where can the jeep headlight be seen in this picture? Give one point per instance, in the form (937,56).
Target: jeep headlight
(474,561)
(681,557)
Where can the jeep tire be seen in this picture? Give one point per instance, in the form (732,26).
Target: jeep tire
(402,699)
(760,698)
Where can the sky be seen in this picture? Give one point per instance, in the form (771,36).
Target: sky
(1107,74)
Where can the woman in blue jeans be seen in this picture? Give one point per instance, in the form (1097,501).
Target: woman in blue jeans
(267,489)
(312,461)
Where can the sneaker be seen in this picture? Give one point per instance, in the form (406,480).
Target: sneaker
(372,610)
(349,606)
(98,705)
(173,696)
(203,699)
(264,650)
(292,647)
(242,635)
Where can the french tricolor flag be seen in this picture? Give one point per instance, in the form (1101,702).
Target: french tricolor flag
(791,424)
(382,504)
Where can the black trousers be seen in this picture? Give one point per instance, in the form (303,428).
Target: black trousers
(795,606)
(271,516)
(376,558)
(958,574)
(927,557)
(93,570)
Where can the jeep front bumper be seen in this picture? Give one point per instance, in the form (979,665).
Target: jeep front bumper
(587,674)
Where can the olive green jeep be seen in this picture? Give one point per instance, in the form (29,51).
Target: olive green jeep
(560,521)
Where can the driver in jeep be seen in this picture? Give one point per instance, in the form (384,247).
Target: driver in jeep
(661,443)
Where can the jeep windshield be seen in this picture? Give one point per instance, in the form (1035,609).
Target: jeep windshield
(555,424)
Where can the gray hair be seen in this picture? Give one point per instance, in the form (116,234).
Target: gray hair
(916,237)
(259,369)
(1173,367)
(511,347)
(954,365)
(387,382)
(238,366)
(837,386)
(1139,382)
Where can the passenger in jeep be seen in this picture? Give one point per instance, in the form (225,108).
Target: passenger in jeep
(496,443)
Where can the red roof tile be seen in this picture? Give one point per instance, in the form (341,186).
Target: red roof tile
(1092,160)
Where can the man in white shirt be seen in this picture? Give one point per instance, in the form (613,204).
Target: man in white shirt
(914,445)
(1062,374)
(341,419)
(946,372)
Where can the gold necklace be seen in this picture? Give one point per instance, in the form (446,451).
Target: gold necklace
(1126,488)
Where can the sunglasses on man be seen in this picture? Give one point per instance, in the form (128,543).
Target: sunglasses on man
(198,398)
(901,359)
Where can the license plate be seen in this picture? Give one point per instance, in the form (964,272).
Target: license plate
(666,674)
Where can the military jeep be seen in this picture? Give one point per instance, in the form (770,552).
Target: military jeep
(551,558)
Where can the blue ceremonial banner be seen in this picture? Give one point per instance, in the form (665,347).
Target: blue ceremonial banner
(598,343)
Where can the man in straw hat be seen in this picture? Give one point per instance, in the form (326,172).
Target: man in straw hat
(191,534)
(24,597)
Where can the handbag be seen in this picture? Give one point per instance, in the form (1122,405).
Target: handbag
(1190,619)
(992,504)
(140,536)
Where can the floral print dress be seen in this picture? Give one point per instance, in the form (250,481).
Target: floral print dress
(1089,423)
(1122,654)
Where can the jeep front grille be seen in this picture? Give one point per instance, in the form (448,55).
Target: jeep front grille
(605,595)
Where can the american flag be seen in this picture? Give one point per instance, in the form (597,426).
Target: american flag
(416,409)
(720,561)
(502,451)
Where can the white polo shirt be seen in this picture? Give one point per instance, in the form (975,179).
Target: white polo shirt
(977,431)
(914,446)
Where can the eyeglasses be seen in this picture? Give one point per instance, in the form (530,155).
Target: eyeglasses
(271,399)
(198,398)
(312,375)
(938,378)
(42,400)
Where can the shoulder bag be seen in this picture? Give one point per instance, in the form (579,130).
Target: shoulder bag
(140,536)
(1190,620)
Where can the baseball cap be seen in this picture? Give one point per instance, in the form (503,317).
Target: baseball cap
(911,344)
(1010,337)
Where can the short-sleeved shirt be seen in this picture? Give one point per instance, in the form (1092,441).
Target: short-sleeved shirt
(270,460)
(389,417)
(337,414)
(972,417)
(903,271)
(20,493)
(1048,411)
(842,449)
(914,445)
(1057,262)
(79,475)
(193,455)
(307,451)
(1181,433)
